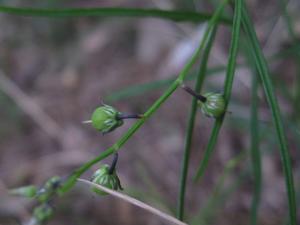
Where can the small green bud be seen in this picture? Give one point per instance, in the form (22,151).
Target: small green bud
(49,189)
(42,213)
(105,119)
(103,177)
(26,191)
(214,105)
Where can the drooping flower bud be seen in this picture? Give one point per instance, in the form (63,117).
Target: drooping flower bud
(25,191)
(105,119)
(214,105)
(107,178)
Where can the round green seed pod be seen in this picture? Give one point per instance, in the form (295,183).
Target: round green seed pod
(105,119)
(104,178)
(214,106)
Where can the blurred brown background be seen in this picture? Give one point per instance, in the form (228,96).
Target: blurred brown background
(55,72)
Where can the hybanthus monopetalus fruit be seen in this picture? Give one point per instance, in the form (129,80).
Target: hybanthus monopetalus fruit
(211,104)
(107,176)
(106,118)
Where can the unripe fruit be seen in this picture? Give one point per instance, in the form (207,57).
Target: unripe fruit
(105,119)
(214,105)
(104,178)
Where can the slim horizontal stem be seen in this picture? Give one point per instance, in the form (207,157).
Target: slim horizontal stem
(175,15)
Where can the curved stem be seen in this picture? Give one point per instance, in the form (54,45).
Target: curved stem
(113,164)
(77,173)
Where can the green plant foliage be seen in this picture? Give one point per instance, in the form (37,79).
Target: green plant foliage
(227,88)
(116,12)
(262,68)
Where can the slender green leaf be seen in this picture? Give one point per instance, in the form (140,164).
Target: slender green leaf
(263,71)
(255,153)
(227,87)
(254,136)
(175,15)
(191,121)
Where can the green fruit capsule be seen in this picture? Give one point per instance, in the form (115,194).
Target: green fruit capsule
(103,177)
(214,105)
(106,119)
(26,191)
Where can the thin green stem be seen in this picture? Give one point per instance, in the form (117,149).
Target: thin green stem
(255,153)
(139,89)
(254,136)
(227,87)
(175,15)
(263,70)
(69,183)
(190,128)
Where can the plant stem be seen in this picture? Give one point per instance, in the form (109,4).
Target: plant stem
(191,121)
(194,93)
(263,70)
(227,87)
(106,12)
(69,183)
(113,164)
(254,136)
(129,116)
(255,153)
